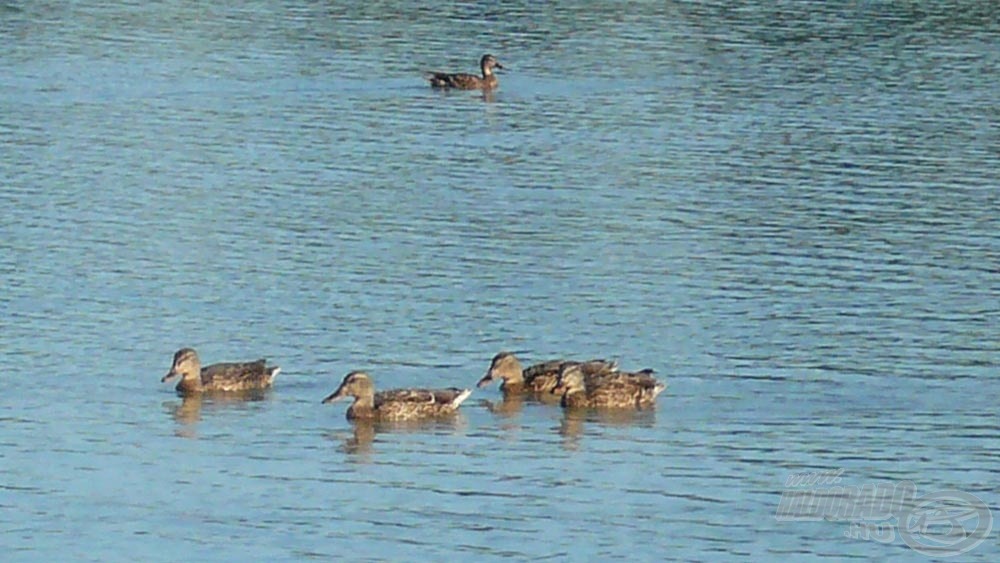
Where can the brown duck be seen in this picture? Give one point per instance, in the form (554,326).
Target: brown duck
(608,390)
(395,404)
(538,379)
(235,376)
(463,81)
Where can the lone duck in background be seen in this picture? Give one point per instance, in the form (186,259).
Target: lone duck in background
(538,379)
(395,404)
(236,376)
(462,81)
(609,390)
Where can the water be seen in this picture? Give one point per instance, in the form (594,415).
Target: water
(789,210)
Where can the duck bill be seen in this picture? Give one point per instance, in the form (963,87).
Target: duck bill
(335,396)
(486,380)
(170,375)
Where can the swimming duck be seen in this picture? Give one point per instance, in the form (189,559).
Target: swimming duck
(538,379)
(607,390)
(237,376)
(468,81)
(395,404)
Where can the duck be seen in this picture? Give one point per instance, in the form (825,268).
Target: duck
(232,376)
(395,404)
(462,81)
(609,390)
(538,379)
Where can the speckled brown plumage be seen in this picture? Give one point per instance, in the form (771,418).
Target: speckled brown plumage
(395,404)
(464,81)
(538,379)
(232,376)
(608,390)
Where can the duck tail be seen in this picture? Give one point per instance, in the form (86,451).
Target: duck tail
(273,372)
(437,79)
(459,398)
(657,389)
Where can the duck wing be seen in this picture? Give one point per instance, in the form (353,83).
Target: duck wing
(588,367)
(416,396)
(597,366)
(403,396)
(541,378)
(453,80)
(237,375)
(542,369)
(544,376)
(642,386)
(644,379)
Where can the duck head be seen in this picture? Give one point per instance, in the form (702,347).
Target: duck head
(504,367)
(357,384)
(186,364)
(488,63)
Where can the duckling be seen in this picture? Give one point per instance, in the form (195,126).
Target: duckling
(607,390)
(236,376)
(464,81)
(538,379)
(395,404)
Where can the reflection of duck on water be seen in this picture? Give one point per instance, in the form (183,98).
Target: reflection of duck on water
(509,407)
(361,439)
(571,428)
(364,431)
(189,410)
(574,421)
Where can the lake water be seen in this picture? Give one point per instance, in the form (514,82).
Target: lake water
(790,210)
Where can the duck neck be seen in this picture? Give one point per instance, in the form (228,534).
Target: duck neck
(516,376)
(363,407)
(189,385)
(365,401)
(574,398)
(511,379)
(514,372)
(512,385)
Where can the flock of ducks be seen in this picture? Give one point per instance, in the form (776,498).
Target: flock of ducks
(594,384)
